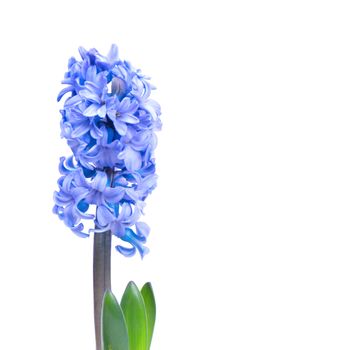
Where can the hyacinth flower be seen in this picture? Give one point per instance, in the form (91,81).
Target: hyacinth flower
(109,122)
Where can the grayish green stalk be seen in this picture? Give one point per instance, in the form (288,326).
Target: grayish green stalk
(102,277)
(101,273)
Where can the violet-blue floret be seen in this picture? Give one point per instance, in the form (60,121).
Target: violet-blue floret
(109,122)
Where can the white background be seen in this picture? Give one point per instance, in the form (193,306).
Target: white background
(250,221)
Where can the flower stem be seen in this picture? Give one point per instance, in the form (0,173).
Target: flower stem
(101,275)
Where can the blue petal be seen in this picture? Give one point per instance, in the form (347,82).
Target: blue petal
(104,216)
(120,126)
(72,101)
(69,216)
(136,241)
(110,135)
(62,168)
(142,229)
(88,172)
(78,231)
(118,86)
(91,73)
(102,111)
(64,91)
(81,129)
(83,206)
(96,132)
(116,209)
(91,111)
(70,164)
(132,194)
(90,96)
(92,86)
(129,118)
(115,194)
(71,62)
(113,54)
(57,210)
(132,159)
(61,199)
(141,140)
(128,106)
(127,252)
(82,52)
(79,193)
(99,182)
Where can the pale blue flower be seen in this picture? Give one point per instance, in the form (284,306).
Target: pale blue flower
(109,123)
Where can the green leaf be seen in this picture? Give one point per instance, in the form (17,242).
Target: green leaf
(136,319)
(114,330)
(150,304)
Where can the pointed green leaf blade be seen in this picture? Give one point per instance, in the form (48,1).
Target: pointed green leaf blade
(150,304)
(134,311)
(114,330)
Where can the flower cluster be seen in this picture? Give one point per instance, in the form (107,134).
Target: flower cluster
(109,123)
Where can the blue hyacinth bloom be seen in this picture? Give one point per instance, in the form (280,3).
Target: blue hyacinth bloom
(109,122)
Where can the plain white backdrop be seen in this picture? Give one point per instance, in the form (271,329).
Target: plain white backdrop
(250,222)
